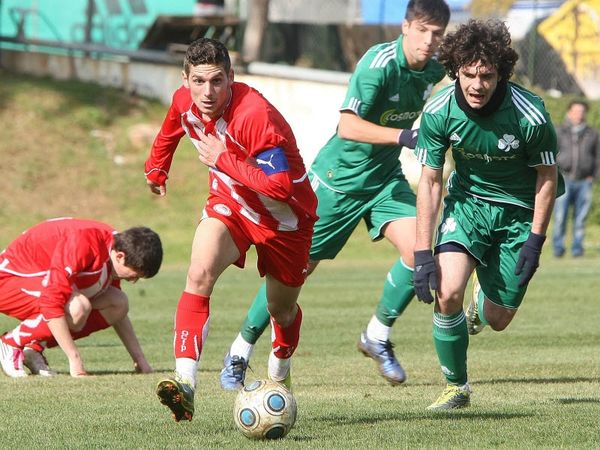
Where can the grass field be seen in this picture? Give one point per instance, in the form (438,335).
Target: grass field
(536,385)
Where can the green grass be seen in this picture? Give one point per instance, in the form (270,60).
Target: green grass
(535,385)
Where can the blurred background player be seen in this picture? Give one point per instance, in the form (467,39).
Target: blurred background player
(61,278)
(499,201)
(579,162)
(259,195)
(357,176)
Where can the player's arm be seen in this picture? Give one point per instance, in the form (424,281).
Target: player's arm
(156,168)
(125,331)
(545,194)
(266,173)
(429,196)
(354,128)
(60,330)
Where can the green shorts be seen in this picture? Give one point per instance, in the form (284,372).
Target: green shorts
(339,214)
(493,233)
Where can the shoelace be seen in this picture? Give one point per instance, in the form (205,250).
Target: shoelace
(387,349)
(238,367)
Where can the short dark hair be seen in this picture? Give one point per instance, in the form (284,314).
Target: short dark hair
(576,101)
(206,51)
(486,41)
(142,248)
(429,11)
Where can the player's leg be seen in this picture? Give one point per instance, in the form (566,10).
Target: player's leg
(338,217)
(213,250)
(581,206)
(286,319)
(257,319)
(560,216)
(450,334)
(392,215)
(496,294)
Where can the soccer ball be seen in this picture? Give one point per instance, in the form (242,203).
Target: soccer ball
(265,409)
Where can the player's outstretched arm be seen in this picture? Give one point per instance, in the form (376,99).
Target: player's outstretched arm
(355,128)
(125,331)
(60,330)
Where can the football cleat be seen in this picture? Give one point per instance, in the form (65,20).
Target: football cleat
(178,396)
(383,354)
(37,363)
(233,373)
(11,359)
(474,324)
(453,397)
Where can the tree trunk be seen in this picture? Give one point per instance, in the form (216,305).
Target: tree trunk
(258,16)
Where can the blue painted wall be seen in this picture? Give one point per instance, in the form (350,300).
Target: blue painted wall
(117,23)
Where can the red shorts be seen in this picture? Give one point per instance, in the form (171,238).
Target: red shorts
(281,254)
(19,296)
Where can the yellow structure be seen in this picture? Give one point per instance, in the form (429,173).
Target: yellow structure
(574,32)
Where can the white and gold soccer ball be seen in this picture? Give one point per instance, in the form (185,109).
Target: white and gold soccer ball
(265,409)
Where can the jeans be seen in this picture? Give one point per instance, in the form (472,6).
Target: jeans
(579,195)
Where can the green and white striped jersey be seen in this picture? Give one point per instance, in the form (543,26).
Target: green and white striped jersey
(384,91)
(495,156)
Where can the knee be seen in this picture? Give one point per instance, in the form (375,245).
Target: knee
(282,315)
(77,311)
(449,302)
(200,278)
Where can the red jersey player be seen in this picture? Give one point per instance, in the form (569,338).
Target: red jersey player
(259,195)
(61,278)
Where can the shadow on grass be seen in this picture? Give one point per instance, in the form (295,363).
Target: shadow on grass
(535,380)
(572,400)
(435,415)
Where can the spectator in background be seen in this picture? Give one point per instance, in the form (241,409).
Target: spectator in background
(579,161)
(209,8)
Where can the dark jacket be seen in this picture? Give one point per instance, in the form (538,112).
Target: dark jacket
(579,155)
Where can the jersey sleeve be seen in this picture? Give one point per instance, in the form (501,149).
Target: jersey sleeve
(266,168)
(363,88)
(73,253)
(432,143)
(157,166)
(542,146)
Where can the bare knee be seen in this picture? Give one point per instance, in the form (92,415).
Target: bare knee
(77,311)
(449,302)
(200,280)
(113,304)
(283,315)
(497,316)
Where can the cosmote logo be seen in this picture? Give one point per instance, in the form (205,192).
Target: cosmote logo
(393,116)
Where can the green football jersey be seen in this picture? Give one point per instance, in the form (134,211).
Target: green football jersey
(384,91)
(494,156)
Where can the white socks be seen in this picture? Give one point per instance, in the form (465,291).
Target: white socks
(377,330)
(186,368)
(278,368)
(241,348)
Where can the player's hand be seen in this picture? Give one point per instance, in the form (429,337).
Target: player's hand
(156,188)
(76,369)
(425,275)
(408,138)
(142,367)
(209,149)
(529,258)
(156,179)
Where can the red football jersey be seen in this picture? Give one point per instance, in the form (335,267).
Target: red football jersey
(66,254)
(268,189)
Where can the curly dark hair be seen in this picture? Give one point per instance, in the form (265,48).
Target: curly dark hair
(206,51)
(486,41)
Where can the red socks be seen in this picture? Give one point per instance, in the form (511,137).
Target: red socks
(191,325)
(285,340)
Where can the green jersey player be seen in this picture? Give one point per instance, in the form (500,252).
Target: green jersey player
(357,176)
(499,199)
